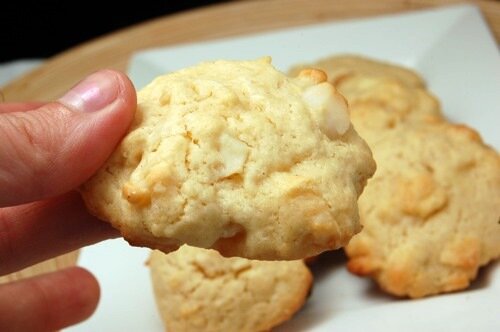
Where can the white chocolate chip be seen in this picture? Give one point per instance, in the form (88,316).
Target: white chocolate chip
(329,109)
(233,154)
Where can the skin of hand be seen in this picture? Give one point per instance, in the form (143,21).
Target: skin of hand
(46,152)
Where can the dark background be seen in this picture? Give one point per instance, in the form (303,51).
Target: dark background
(44,28)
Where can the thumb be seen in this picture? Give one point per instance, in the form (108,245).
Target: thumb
(54,148)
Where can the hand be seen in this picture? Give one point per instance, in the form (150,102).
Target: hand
(46,151)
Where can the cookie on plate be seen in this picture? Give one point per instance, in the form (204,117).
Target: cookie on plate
(380,95)
(199,290)
(431,213)
(380,104)
(236,156)
(339,67)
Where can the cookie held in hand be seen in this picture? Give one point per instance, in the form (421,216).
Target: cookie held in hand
(236,156)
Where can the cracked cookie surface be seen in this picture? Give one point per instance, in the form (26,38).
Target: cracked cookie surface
(199,290)
(236,156)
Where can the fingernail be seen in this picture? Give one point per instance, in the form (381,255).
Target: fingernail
(93,93)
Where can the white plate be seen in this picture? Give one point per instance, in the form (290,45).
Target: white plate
(455,52)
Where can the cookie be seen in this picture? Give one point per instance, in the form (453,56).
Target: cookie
(199,290)
(380,95)
(236,156)
(431,213)
(339,67)
(380,104)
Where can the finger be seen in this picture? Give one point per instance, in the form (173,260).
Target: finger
(19,107)
(48,302)
(53,149)
(34,232)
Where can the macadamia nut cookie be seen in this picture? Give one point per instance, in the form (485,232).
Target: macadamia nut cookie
(199,290)
(236,156)
(339,67)
(431,213)
(380,95)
